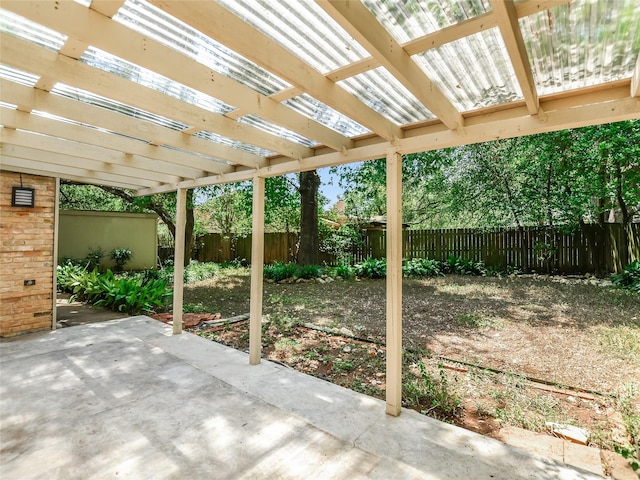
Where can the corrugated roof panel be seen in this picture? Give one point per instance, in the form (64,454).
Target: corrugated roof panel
(230,142)
(327,116)
(97,100)
(277,130)
(112,64)
(303,28)
(385,94)
(166,29)
(18,76)
(582,44)
(31,31)
(473,72)
(407,20)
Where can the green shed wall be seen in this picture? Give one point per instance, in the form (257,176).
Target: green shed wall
(80,231)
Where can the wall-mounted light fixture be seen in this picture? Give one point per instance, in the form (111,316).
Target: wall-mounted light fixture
(23,196)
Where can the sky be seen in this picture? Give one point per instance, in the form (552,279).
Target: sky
(329,186)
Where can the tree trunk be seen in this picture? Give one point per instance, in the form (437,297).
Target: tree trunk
(308,254)
(189,239)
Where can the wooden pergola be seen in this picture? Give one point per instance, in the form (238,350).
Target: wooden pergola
(166,95)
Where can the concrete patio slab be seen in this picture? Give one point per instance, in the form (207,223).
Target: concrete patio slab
(126,399)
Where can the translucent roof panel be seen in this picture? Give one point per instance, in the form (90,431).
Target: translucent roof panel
(410,19)
(385,94)
(277,130)
(109,63)
(327,116)
(473,72)
(97,100)
(81,124)
(18,76)
(582,44)
(28,30)
(196,154)
(230,142)
(303,28)
(149,20)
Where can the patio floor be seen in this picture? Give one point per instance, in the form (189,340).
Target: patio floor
(126,399)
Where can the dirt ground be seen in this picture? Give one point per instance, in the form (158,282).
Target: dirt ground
(522,351)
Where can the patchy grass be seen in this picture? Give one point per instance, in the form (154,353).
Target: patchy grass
(573,334)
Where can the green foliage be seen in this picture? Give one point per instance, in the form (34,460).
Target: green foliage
(629,278)
(309,272)
(281,271)
(557,178)
(459,266)
(341,242)
(69,272)
(372,268)
(422,267)
(120,256)
(343,270)
(94,257)
(434,396)
(197,271)
(129,294)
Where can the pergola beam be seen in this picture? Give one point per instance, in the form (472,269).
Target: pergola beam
(39,166)
(85,113)
(569,112)
(76,21)
(155,158)
(220,24)
(506,16)
(356,19)
(64,152)
(30,57)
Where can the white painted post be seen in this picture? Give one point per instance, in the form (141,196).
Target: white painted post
(257,261)
(178,259)
(54,256)
(394,283)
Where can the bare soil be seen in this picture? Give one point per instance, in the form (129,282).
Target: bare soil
(521,351)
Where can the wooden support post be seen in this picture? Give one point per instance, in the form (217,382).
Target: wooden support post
(394,283)
(257,261)
(178,259)
(56,228)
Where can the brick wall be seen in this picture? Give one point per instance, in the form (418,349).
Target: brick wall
(26,253)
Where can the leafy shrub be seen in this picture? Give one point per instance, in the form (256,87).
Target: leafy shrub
(120,256)
(457,265)
(309,271)
(422,267)
(68,273)
(280,271)
(342,242)
(372,268)
(196,271)
(629,278)
(129,294)
(94,257)
(343,270)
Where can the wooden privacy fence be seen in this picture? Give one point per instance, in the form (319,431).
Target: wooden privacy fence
(540,249)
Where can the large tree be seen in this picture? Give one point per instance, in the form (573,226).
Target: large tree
(568,178)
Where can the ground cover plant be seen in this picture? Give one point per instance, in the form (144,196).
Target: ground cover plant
(479,351)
